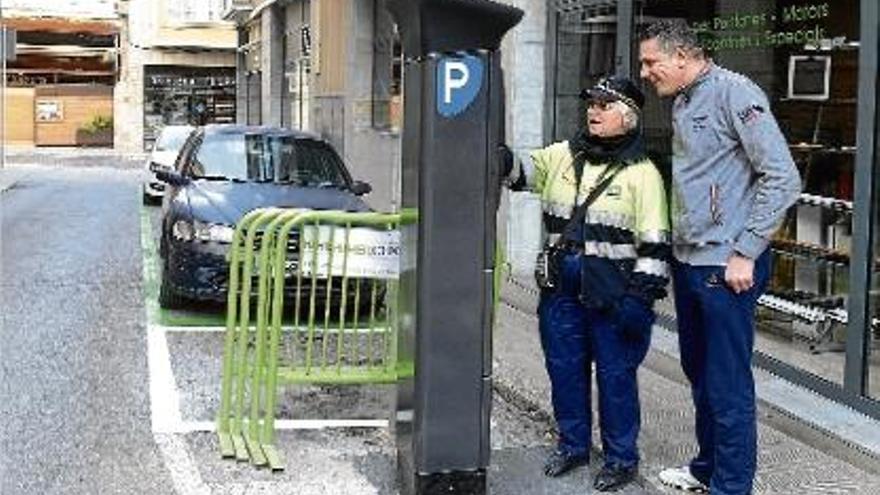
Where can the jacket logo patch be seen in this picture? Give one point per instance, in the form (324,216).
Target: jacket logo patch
(700,122)
(750,114)
(613,191)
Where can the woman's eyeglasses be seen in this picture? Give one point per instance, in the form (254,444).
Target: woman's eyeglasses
(601,105)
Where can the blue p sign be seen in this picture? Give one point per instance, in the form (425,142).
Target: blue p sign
(459,79)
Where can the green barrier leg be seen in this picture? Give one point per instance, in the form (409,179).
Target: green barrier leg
(267,272)
(229,357)
(273,457)
(340,334)
(242,356)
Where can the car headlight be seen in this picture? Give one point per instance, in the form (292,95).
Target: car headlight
(213,232)
(182,230)
(201,231)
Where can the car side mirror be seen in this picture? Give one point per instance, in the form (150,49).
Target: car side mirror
(171,177)
(360,188)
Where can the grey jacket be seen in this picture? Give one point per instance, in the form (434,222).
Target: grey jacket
(733,177)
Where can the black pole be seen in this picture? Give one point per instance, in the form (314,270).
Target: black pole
(453,124)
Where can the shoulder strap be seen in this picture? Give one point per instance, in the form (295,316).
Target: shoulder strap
(578,212)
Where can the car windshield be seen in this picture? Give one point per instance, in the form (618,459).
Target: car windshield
(261,158)
(172,138)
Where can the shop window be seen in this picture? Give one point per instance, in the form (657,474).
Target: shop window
(186,11)
(804,55)
(186,95)
(874,307)
(584,52)
(387,97)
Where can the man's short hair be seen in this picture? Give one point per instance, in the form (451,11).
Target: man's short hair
(672,34)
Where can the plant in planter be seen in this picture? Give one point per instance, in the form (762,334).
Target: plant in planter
(96,132)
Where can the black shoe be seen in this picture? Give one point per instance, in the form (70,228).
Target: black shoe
(612,478)
(559,463)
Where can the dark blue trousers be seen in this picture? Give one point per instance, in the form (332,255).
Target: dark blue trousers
(572,337)
(716,335)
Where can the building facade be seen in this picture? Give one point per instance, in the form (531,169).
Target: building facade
(819,324)
(333,67)
(58,91)
(177,66)
(302,64)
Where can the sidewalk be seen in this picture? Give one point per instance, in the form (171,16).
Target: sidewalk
(19,161)
(807,444)
(71,156)
(11,175)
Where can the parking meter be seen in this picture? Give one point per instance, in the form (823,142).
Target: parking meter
(453,124)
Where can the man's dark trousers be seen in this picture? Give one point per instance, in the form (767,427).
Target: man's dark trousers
(572,336)
(716,335)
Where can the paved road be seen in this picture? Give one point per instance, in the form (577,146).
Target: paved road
(74,402)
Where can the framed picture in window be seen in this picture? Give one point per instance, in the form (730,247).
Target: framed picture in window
(49,111)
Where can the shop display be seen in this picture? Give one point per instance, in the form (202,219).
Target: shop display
(187,96)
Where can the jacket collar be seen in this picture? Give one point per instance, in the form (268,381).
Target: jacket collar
(686,92)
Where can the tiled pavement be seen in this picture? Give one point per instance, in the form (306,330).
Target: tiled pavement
(794,457)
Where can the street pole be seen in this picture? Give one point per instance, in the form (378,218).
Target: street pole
(3,99)
(7,43)
(453,125)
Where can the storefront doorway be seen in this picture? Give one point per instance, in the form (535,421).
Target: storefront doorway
(186,95)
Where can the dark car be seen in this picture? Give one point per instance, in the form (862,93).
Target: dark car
(225,171)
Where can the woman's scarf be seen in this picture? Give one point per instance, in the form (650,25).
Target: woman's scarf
(628,147)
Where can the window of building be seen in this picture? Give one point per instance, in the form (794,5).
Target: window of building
(804,55)
(297,65)
(186,95)
(387,99)
(584,48)
(184,11)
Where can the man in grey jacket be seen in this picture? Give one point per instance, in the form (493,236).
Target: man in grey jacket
(733,179)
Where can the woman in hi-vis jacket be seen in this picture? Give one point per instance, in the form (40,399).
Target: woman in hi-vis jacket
(612,267)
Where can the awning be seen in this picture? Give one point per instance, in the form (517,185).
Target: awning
(64,50)
(59,25)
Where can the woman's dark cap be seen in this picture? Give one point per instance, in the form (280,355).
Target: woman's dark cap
(616,88)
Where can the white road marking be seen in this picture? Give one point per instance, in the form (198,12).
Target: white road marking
(293,424)
(377,330)
(164,396)
(184,473)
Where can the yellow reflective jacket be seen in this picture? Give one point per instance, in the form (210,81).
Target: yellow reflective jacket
(626,229)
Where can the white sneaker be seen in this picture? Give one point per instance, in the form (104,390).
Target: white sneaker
(681,478)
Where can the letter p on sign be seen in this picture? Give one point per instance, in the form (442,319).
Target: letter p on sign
(458,79)
(450,82)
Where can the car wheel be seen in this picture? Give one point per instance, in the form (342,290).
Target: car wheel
(168,298)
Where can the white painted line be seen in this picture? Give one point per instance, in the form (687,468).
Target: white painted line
(319,329)
(184,473)
(293,424)
(193,329)
(164,397)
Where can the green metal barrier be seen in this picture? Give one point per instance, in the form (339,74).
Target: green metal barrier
(323,286)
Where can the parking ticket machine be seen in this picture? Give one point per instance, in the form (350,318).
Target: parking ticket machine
(452,128)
